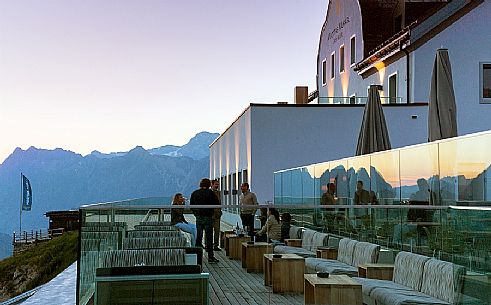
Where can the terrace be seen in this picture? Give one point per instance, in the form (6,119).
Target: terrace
(431,237)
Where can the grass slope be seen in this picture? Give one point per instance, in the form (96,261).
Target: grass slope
(37,265)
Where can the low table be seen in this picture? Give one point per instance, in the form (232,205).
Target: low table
(293,242)
(376,271)
(235,245)
(334,290)
(327,252)
(222,238)
(252,255)
(285,274)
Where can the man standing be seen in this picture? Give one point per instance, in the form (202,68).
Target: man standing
(204,196)
(247,202)
(216,217)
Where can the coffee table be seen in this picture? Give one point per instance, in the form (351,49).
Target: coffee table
(252,255)
(376,271)
(334,290)
(285,274)
(235,245)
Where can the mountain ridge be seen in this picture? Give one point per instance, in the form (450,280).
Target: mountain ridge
(62,179)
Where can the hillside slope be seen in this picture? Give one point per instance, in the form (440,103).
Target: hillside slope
(37,266)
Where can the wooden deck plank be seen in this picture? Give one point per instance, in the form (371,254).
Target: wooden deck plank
(232,285)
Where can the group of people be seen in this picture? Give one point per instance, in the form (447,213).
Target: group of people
(208,218)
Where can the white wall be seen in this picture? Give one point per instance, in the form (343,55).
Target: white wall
(468,43)
(286,137)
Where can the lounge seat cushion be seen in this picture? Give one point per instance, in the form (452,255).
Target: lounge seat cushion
(443,280)
(365,253)
(331,266)
(368,285)
(293,250)
(404,296)
(307,236)
(346,249)
(295,232)
(408,268)
(318,240)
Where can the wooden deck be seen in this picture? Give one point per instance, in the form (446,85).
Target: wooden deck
(232,285)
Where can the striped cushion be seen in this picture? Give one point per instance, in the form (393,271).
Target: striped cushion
(147,257)
(408,269)
(368,285)
(403,296)
(293,250)
(295,232)
(318,240)
(345,250)
(443,280)
(329,265)
(307,239)
(365,253)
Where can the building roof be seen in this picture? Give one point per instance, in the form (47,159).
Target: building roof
(423,26)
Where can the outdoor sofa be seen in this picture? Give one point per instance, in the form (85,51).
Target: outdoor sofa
(417,279)
(310,241)
(351,254)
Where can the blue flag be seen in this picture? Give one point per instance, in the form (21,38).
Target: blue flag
(26,194)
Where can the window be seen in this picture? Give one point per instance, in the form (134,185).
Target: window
(324,73)
(393,88)
(332,65)
(341,59)
(352,50)
(485,82)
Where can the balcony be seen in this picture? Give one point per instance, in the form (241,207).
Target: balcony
(356,100)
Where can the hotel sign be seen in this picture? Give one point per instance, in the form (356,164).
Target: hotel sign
(337,33)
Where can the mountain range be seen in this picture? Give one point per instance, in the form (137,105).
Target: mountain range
(63,180)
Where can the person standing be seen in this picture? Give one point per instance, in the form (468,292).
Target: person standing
(247,202)
(204,216)
(177,218)
(217,213)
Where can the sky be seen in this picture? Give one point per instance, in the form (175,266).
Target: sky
(109,75)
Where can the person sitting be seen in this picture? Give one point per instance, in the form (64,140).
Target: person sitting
(272,228)
(286,218)
(177,218)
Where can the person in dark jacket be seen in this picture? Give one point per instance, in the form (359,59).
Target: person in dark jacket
(204,216)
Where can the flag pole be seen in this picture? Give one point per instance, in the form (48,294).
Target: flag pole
(21,195)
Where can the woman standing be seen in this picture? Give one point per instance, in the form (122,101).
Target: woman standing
(177,218)
(272,227)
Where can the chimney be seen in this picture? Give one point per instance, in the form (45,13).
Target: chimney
(301,95)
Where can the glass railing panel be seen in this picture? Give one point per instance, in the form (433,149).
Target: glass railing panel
(286,187)
(420,175)
(308,185)
(296,186)
(339,177)
(385,177)
(464,168)
(278,188)
(321,180)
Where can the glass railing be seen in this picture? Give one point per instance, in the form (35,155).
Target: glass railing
(432,199)
(139,237)
(356,100)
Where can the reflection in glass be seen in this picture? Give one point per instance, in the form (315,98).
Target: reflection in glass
(296,186)
(308,184)
(464,168)
(277,188)
(419,174)
(321,179)
(286,187)
(384,174)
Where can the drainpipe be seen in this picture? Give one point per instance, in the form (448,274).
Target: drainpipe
(408,78)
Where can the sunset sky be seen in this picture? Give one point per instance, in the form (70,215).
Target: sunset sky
(108,75)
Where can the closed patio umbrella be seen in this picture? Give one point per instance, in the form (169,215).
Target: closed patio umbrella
(373,133)
(442,113)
